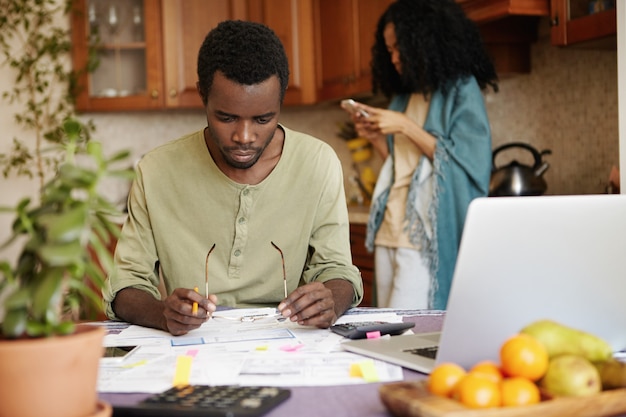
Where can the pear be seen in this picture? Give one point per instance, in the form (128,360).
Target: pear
(612,373)
(559,339)
(571,376)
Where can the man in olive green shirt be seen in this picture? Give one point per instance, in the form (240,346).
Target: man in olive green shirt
(224,206)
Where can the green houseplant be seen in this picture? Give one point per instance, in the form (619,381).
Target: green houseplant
(40,344)
(35,47)
(62,234)
(55,265)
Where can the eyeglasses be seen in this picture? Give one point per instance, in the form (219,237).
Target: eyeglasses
(248,318)
(206,271)
(282,258)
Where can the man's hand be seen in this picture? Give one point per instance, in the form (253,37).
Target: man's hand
(178,310)
(174,314)
(318,304)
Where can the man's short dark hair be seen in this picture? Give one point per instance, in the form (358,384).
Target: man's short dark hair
(245,52)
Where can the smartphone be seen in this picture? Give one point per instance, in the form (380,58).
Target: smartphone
(117,354)
(350,105)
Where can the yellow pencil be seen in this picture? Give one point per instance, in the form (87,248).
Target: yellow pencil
(194,308)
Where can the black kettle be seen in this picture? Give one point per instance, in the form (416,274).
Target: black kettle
(516,179)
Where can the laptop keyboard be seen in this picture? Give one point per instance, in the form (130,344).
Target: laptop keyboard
(427,352)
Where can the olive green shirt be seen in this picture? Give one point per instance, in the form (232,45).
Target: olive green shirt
(181,204)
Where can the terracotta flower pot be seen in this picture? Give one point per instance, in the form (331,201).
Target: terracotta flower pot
(52,377)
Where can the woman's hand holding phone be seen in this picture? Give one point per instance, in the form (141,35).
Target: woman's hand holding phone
(353,108)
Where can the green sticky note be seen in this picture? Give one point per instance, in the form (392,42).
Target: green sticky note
(368,370)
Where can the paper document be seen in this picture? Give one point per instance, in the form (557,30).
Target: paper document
(229,350)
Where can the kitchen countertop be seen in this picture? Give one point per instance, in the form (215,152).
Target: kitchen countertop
(358,214)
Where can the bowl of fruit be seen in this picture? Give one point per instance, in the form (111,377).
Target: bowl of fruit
(546,369)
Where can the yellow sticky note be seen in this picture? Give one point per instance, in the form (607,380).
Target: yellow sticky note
(183,370)
(136,364)
(355,371)
(368,370)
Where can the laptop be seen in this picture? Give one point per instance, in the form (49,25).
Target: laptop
(522,259)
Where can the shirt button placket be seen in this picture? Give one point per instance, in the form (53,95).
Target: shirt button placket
(241,230)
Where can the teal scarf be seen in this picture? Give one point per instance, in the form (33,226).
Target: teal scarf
(459,172)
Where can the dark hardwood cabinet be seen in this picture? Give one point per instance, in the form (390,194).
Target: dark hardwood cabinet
(147,49)
(364,261)
(124,36)
(582,21)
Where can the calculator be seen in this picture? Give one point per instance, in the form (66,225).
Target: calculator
(359,330)
(207,401)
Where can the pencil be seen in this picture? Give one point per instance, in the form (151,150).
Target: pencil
(194,308)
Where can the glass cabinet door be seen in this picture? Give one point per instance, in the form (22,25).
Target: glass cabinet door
(123,37)
(117,26)
(576,21)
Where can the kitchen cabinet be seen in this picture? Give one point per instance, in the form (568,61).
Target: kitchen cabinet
(345,31)
(125,37)
(578,21)
(363,260)
(151,64)
(483,11)
(508,28)
(147,57)
(327,43)
(185,25)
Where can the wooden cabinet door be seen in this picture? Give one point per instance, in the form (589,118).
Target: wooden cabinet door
(129,75)
(336,59)
(363,260)
(345,35)
(327,42)
(573,22)
(292,22)
(185,25)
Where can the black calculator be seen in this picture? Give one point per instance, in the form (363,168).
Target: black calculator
(359,330)
(207,401)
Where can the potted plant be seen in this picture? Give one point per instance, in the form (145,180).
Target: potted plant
(62,234)
(51,276)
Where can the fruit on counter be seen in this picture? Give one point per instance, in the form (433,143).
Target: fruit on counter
(519,391)
(360,148)
(524,372)
(444,378)
(477,391)
(571,376)
(560,339)
(488,369)
(522,355)
(483,386)
(368,178)
(612,373)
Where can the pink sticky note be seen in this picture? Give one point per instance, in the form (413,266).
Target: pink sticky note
(291,348)
(373,335)
(192,352)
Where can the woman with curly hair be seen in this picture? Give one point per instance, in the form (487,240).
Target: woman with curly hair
(429,60)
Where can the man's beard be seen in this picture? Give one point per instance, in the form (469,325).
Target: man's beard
(224,151)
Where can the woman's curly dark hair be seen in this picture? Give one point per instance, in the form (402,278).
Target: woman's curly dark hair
(246,52)
(438,44)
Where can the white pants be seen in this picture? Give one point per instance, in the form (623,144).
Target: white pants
(402,279)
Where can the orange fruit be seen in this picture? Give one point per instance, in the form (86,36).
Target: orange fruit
(488,369)
(443,378)
(477,391)
(519,391)
(523,355)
